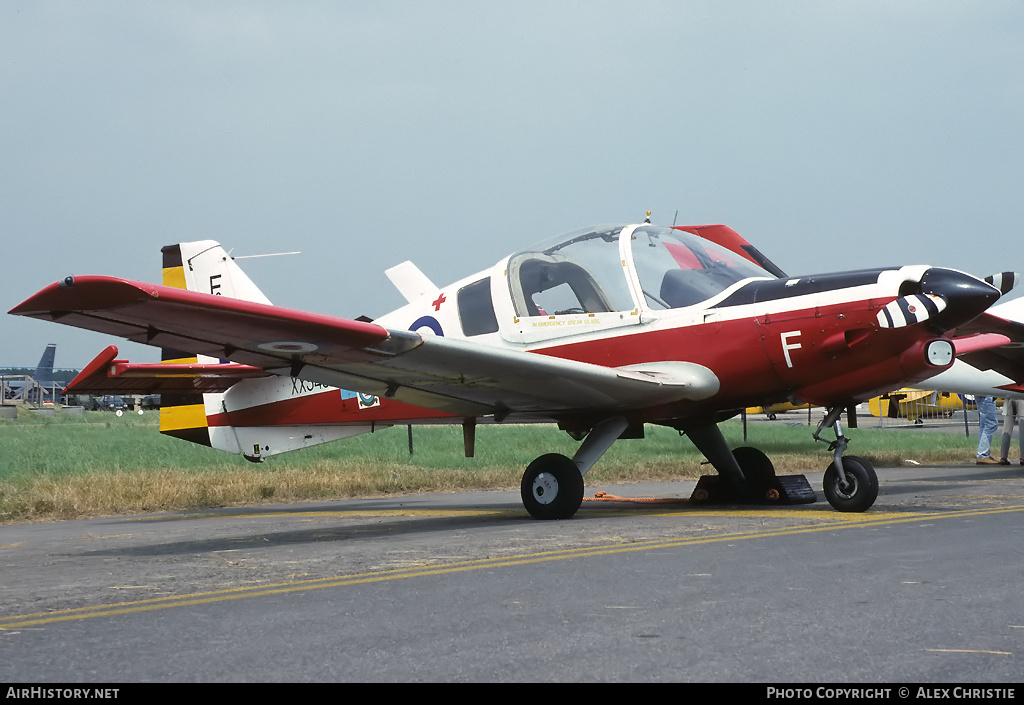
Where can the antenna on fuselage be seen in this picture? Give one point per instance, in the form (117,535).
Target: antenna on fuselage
(648,218)
(269,254)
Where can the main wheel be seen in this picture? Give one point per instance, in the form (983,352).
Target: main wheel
(552,487)
(861,491)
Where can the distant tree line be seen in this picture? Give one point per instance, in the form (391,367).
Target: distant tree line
(63,376)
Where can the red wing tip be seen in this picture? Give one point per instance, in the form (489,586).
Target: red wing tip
(82,293)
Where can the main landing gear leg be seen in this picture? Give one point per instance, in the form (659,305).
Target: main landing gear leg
(710,441)
(552,486)
(850,483)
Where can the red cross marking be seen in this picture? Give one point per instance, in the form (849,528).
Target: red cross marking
(437,304)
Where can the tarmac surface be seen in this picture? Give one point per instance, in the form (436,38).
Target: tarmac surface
(925,587)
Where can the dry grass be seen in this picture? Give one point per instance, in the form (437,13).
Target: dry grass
(105,493)
(70,470)
(100,493)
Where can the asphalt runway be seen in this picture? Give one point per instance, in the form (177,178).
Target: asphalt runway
(923,588)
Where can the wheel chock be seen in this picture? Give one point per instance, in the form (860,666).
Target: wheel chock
(782,489)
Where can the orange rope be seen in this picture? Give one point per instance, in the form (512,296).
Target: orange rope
(605,497)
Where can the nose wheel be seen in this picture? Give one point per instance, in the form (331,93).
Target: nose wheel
(552,487)
(856,491)
(851,484)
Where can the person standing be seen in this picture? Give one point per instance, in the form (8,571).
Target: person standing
(987,426)
(1013,411)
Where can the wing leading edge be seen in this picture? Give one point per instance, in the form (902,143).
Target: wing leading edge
(1004,351)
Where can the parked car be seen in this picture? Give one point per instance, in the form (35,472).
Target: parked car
(109,402)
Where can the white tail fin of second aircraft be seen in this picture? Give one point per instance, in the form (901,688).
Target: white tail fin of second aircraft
(205,266)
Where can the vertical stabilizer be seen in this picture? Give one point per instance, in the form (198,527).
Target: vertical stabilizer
(184,415)
(44,370)
(205,266)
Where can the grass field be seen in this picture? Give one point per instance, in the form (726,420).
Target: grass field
(72,466)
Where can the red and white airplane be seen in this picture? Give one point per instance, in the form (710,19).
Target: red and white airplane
(601,331)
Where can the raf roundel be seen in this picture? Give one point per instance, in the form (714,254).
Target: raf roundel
(427,322)
(287,347)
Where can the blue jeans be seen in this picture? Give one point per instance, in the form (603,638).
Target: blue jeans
(987,425)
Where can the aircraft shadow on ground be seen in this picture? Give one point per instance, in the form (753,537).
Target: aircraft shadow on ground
(350,531)
(362,529)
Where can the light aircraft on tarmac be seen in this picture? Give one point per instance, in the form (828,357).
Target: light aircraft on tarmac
(601,331)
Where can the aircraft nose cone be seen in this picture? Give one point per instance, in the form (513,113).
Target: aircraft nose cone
(966,297)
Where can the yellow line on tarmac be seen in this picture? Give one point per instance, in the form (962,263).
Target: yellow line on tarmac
(370,513)
(605,509)
(37,619)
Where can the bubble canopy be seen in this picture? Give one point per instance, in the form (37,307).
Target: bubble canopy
(589,271)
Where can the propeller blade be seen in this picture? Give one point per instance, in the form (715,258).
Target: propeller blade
(1004,281)
(908,310)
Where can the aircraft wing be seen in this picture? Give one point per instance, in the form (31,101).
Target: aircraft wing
(108,375)
(1005,351)
(455,376)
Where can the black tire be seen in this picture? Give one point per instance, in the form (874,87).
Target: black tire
(552,487)
(863,489)
(756,466)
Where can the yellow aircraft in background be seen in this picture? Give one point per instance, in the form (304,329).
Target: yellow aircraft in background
(771,411)
(913,404)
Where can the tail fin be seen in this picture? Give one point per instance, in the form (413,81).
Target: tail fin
(44,370)
(198,266)
(205,266)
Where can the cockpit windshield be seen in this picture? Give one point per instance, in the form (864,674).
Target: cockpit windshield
(585,272)
(578,273)
(678,269)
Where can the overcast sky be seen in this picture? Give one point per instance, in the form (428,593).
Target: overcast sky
(833,135)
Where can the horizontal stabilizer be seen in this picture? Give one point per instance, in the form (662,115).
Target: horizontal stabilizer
(108,375)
